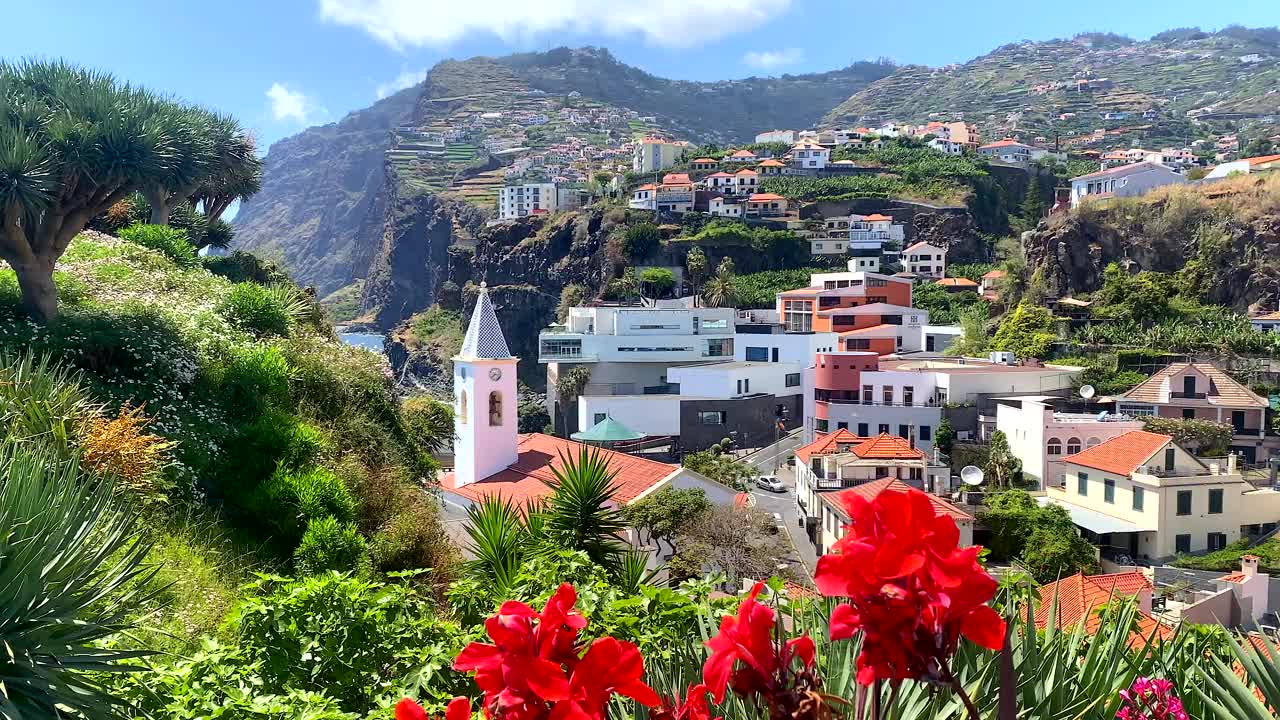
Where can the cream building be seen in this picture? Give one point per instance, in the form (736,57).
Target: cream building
(1139,494)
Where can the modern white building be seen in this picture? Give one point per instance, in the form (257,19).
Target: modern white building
(517,201)
(871,232)
(1041,437)
(654,155)
(809,155)
(1012,151)
(925,259)
(1123,181)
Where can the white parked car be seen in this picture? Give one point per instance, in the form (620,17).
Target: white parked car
(772,483)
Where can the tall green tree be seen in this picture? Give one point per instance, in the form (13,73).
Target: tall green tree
(696,265)
(1003,467)
(1033,206)
(569,386)
(74,142)
(235,174)
(721,290)
(662,514)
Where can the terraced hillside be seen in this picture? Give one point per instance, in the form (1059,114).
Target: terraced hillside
(1029,86)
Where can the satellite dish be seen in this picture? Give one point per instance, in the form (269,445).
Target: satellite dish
(1087,392)
(971,475)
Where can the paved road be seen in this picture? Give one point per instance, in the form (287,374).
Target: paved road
(784,503)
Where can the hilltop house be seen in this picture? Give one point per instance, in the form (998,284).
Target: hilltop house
(1140,495)
(1201,391)
(517,201)
(742,156)
(1012,151)
(766,205)
(925,260)
(1123,181)
(1245,166)
(704,164)
(809,155)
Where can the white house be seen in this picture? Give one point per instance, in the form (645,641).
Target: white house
(1266,322)
(871,232)
(1012,151)
(1141,495)
(644,197)
(653,155)
(828,246)
(1124,181)
(1040,436)
(925,259)
(810,155)
(720,207)
(517,201)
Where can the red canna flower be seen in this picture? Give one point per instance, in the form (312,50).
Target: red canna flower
(610,666)
(458,708)
(912,591)
(531,670)
(693,707)
(747,638)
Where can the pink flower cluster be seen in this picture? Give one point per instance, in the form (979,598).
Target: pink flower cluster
(1150,699)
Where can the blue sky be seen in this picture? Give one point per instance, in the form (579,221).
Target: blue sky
(281,65)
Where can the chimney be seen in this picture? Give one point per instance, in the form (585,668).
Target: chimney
(1249,565)
(1231,464)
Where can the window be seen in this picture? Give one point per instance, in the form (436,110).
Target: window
(1170,458)
(1092,442)
(867,398)
(495,409)
(904,431)
(908,393)
(842,426)
(820,424)
(888,394)
(746,385)
(1184,502)
(1189,385)
(739,392)
(859,344)
(719,347)
(1109,491)
(925,433)
(862,429)
(1215,501)
(757,354)
(1182,544)
(1073,446)
(1082,484)
(1138,498)
(462,408)
(714,417)
(884,429)
(598,418)
(1217,541)
(1055,446)
(793,379)
(1188,413)
(775,354)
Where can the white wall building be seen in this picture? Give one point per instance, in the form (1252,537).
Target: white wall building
(1124,181)
(1040,436)
(517,201)
(653,155)
(1012,151)
(777,136)
(925,259)
(810,155)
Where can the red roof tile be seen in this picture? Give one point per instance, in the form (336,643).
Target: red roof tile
(992,274)
(743,154)
(746,171)
(1263,159)
(1234,578)
(828,444)
(706,160)
(770,162)
(956,282)
(1122,454)
(875,217)
(1080,595)
(527,478)
(916,246)
(870,490)
(887,447)
(675,179)
(764,197)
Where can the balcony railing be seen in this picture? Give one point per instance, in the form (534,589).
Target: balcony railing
(855,401)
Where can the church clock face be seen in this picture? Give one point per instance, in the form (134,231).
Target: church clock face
(495,374)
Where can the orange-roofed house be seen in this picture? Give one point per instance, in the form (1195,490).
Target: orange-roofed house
(766,205)
(704,164)
(742,156)
(834,520)
(957,285)
(675,194)
(1139,495)
(1201,391)
(493,460)
(809,155)
(925,260)
(989,287)
(723,182)
(1245,166)
(1081,599)
(1011,151)
(770,167)
(644,197)
(871,232)
(746,181)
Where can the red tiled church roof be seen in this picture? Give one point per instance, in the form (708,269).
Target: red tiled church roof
(525,480)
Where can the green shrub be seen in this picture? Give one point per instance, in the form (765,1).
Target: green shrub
(253,379)
(170,242)
(429,423)
(414,539)
(41,402)
(241,267)
(255,309)
(330,545)
(290,499)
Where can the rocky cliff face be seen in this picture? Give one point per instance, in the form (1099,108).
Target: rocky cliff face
(1225,236)
(323,197)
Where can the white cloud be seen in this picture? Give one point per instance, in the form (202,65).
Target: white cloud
(406,79)
(770,59)
(292,105)
(671,23)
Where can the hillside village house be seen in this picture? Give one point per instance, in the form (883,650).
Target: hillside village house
(873,231)
(1012,151)
(492,460)
(644,197)
(766,205)
(746,181)
(704,164)
(957,285)
(1123,181)
(1142,496)
(925,260)
(720,206)
(989,288)
(799,308)
(1203,392)
(517,201)
(652,155)
(1041,436)
(1246,166)
(1079,599)
(841,461)
(1266,322)
(810,155)
(675,194)
(771,167)
(742,156)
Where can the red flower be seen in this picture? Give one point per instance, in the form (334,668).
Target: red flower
(459,708)
(610,666)
(912,591)
(532,671)
(748,637)
(694,706)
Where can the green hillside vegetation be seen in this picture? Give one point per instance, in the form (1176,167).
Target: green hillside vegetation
(1171,73)
(343,304)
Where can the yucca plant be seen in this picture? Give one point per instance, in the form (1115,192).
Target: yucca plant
(71,569)
(1249,688)
(580,512)
(41,402)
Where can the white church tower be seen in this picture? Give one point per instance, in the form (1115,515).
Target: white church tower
(484,389)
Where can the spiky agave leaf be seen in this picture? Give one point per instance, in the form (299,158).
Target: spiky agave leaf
(71,569)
